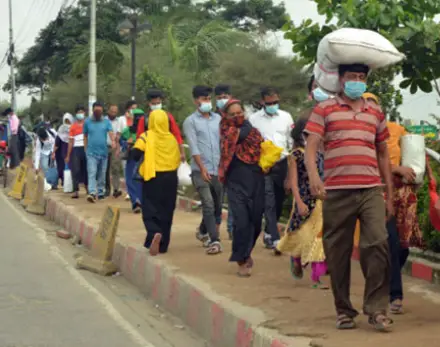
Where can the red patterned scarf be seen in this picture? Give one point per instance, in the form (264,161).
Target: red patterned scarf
(248,151)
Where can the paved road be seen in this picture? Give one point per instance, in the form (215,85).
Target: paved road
(44,301)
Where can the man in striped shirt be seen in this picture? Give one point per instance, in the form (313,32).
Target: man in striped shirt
(356,161)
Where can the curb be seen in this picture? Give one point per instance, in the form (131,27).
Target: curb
(212,317)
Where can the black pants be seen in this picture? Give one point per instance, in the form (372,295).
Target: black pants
(398,257)
(158,203)
(274,197)
(78,167)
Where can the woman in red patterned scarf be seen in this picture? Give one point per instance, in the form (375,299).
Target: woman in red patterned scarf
(244,180)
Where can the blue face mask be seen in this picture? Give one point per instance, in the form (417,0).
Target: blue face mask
(205,107)
(319,95)
(79,116)
(272,109)
(354,89)
(221,103)
(156,107)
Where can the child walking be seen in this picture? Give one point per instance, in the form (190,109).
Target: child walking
(303,236)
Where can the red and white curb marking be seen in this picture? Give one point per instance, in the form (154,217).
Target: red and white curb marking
(212,317)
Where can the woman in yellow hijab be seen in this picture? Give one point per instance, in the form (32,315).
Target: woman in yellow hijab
(158,152)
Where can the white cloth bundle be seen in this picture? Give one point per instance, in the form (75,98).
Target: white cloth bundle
(351,46)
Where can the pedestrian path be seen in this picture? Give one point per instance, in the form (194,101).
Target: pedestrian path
(291,307)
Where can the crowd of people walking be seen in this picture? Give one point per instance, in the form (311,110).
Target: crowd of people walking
(340,162)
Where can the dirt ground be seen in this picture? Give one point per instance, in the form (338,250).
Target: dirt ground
(294,308)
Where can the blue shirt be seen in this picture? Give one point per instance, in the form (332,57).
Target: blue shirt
(96,132)
(203,137)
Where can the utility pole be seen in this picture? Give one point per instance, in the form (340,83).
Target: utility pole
(134,33)
(92,63)
(11,59)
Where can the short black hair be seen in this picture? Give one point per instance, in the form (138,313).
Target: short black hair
(268,91)
(7,111)
(199,91)
(80,108)
(361,68)
(97,104)
(298,132)
(42,133)
(129,104)
(310,85)
(154,93)
(222,89)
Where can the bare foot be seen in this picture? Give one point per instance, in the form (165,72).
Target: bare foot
(154,248)
(244,270)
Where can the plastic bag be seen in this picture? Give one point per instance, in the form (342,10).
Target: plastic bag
(68,182)
(184,174)
(47,186)
(270,154)
(413,154)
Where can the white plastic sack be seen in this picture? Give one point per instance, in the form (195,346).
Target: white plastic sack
(68,182)
(350,46)
(413,154)
(184,174)
(433,154)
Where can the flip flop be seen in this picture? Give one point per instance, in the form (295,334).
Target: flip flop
(345,322)
(380,322)
(154,248)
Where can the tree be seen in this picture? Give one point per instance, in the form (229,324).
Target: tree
(408,24)
(248,69)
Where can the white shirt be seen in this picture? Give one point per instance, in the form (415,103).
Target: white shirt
(116,126)
(274,128)
(45,148)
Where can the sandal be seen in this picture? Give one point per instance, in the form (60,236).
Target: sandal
(296,269)
(243,270)
(380,322)
(396,307)
(250,263)
(75,195)
(345,322)
(214,248)
(320,285)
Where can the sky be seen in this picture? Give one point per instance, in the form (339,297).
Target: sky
(30,16)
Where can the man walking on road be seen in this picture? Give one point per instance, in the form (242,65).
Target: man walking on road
(275,125)
(202,131)
(96,129)
(13,143)
(114,165)
(354,132)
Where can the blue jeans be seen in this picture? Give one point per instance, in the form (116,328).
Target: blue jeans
(45,161)
(134,188)
(96,169)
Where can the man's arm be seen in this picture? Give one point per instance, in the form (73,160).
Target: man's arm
(383,157)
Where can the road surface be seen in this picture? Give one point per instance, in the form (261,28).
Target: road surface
(45,301)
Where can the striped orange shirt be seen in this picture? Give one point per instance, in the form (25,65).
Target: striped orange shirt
(350,140)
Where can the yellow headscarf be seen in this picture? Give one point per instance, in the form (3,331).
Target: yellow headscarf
(371,96)
(161,151)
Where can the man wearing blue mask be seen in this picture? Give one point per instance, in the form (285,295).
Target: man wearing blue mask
(357,164)
(222,94)
(275,125)
(202,132)
(315,92)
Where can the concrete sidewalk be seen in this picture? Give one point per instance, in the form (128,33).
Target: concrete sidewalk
(269,309)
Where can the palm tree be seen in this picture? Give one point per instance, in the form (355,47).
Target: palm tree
(194,44)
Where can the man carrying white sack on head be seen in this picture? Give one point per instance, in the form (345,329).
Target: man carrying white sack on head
(356,163)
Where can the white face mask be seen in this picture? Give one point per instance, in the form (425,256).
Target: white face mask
(156,107)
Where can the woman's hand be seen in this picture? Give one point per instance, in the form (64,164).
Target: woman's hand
(407,174)
(52,156)
(303,210)
(67,159)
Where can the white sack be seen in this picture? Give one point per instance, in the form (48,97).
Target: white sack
(413,154)
(184,174)
(68,182)
(350,46)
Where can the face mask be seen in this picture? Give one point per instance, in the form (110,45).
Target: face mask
(221,103)
(205,107)
(80,116)
(156,107)
(272,109)
(354,89)
(319,95)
